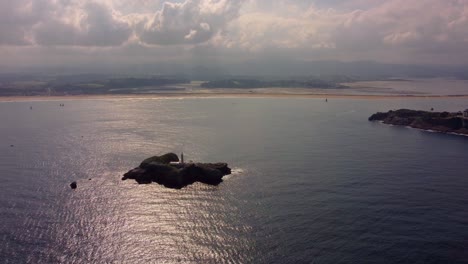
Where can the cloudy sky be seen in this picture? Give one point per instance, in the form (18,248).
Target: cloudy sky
(55,32)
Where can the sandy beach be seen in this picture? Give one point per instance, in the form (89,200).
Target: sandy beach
(220,95)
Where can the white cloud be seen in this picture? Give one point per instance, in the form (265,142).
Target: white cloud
(190,22)
(287,27)
(410,31)
(418,25)
(386,29)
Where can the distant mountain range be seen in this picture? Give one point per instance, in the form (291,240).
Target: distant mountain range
(267,69)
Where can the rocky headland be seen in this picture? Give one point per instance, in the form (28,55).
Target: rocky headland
(443,122)
(167,170)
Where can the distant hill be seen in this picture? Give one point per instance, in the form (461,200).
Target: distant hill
(268,69)
(253,83)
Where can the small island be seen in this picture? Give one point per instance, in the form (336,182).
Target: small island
(443,122)
(171,172)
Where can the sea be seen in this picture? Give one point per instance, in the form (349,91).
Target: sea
(312,182)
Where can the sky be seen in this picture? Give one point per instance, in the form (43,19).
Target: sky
(68,32)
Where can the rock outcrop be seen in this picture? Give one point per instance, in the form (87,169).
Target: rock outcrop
(166,171)
(443,122)
(164,159)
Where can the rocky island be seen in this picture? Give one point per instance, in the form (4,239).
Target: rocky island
(443,122)
(169,171)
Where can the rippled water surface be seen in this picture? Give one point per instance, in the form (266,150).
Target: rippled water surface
(314,182)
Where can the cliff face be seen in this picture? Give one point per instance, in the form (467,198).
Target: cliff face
(444,122)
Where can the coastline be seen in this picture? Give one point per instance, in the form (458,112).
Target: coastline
(221,95)
(441,122)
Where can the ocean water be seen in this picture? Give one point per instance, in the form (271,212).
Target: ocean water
(313,182)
